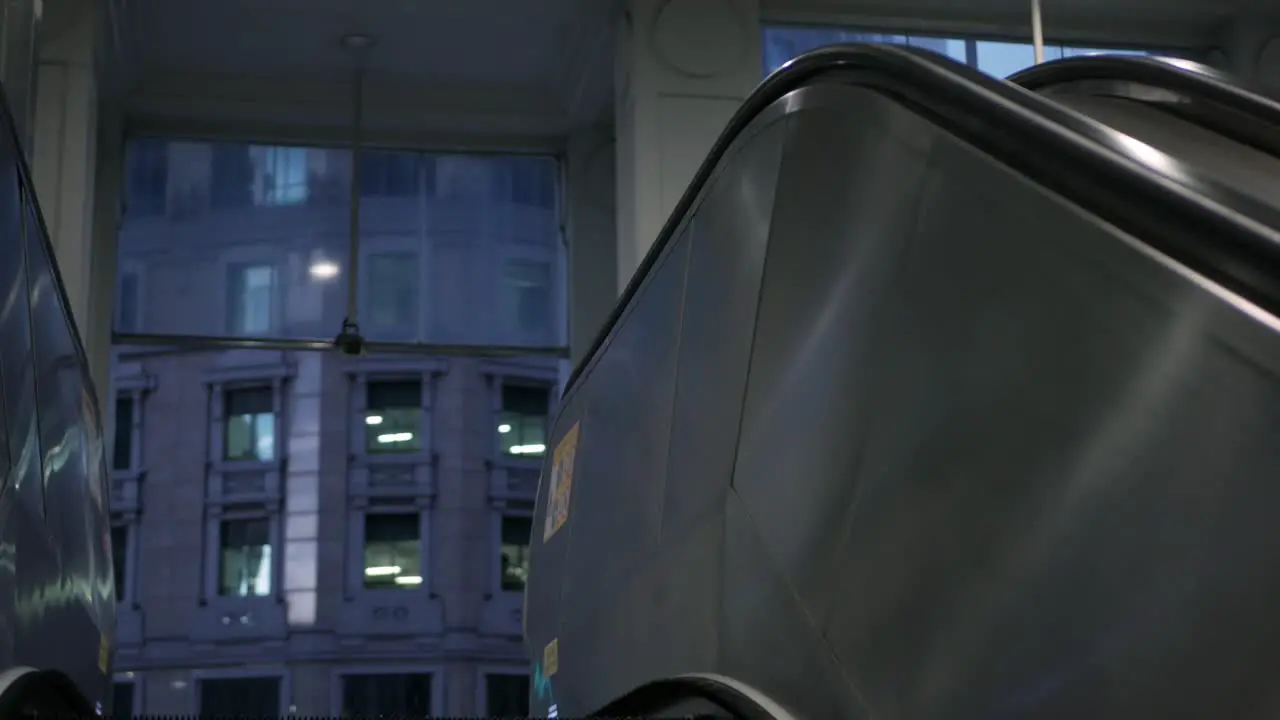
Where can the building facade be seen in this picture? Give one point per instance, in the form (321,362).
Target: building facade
(304,531)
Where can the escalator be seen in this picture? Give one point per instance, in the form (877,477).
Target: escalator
(1227,133)
(932,399)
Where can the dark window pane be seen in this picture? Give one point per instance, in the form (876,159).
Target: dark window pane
(146,177)
(392,551)
(388,174)
(394,281)
(386,695)
(120,558)
(231,181)
(390,394)
(122,448)
(127,311)
(245,558)
(122,701)
(515,551)
(507,695)
(257,697)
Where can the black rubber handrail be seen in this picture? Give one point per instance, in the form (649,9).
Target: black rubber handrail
(1231,99)
(1198,223)
(661,695)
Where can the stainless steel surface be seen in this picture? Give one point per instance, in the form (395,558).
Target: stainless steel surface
(986,454)
(57,602)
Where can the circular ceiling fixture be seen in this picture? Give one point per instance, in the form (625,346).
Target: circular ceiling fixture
(356,41)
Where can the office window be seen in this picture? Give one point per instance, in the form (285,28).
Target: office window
(392,550)
(120,559)
(280,175)
(522,424)
(251,294)
(250,424)
(407,695)
(526,181)
(128,304)
(231,176)
(506,695)
(527,296)
(393,416)
(240,697)
(515,551)
(393,282)
(122,447)
(146,178)
(388,174)
(122,701)
(245,558)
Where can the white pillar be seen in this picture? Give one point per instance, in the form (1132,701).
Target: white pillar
(683,68)
(593,279)
(64,158)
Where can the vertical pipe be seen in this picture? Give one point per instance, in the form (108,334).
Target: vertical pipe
(353,241)
(1037,31)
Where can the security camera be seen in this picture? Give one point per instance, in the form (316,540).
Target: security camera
(349,341)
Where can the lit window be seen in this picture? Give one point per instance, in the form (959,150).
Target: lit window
(507,695)
(122,448)
(251,291)
(120,558)
(527,290)
(250,424)
(393,416)
(515,551)
(392,551)
(522,425)
(245,558)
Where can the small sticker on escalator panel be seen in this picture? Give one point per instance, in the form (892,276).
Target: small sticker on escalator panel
(551,658)
(561,486)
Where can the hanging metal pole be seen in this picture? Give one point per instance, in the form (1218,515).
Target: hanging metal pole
(353,241)
(1037,31)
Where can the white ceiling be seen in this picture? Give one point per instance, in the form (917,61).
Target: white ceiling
(499,68)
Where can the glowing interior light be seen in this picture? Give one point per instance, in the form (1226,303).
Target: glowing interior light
(382,570)
(373,420)
(527,449)
(504,428)
(409,580)
(324,270)
(395,437)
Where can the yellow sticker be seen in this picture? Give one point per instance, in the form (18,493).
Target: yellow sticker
(551,658)
(104,653)
(561,483)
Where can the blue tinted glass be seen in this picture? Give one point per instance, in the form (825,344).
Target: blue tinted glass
(784,42)
(243,240)
(951,47)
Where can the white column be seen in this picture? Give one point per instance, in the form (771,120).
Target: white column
(64,158)
(592,232)
(683,68)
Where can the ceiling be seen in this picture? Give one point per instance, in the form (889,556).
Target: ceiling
(458,71)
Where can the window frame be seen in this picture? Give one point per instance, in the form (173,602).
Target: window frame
(482,683)
(506,510)
(283,674)
(423,528)
(266,252)
(139,696)
(131,525)
(436,671)
(274,532)
(132,267)
(527,381)
(508,323)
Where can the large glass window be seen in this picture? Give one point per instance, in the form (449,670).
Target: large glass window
(393,416)
(250,424)
(371,696)
(516,531)
(245,558)
(998,58)
(392,550)
(522,424)
(120,558)
(248,240)
(240,697)
(122,448)
(506,695)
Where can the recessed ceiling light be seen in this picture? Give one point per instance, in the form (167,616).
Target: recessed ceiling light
(356,41)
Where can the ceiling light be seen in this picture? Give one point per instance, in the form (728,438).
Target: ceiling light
(373,420)
(324,270)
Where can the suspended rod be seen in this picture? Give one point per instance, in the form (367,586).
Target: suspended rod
(1037,31)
